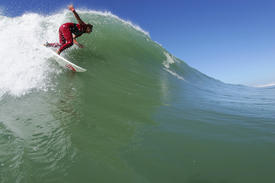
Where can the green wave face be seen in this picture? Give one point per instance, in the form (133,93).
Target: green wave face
(137,115)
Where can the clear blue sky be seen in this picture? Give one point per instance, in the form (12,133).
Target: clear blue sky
(230,40)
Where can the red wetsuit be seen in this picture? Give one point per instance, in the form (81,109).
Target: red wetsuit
(65,34)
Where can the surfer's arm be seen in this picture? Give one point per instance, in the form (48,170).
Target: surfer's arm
(71,7)
(77,43)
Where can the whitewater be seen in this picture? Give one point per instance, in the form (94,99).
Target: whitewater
(138,114)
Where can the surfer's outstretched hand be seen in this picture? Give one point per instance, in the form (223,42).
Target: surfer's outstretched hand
(71,7)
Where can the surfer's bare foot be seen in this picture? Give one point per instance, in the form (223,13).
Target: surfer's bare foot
(46,44)
(58,52)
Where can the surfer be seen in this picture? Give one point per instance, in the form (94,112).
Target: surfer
(68,33)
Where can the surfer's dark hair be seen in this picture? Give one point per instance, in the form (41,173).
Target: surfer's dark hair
(90,26)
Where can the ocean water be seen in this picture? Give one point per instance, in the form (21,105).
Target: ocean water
(139,114)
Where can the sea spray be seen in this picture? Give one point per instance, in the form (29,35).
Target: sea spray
(24,62)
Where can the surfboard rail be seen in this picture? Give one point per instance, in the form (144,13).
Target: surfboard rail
(66,64)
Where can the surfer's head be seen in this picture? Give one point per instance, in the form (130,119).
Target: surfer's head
(89,28)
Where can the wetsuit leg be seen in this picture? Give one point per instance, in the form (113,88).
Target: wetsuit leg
(65,37)
(61,38)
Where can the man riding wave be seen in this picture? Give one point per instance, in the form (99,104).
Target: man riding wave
(68,33)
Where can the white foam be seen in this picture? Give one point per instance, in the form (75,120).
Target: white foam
(265,85)
(174,74)
(170,60)
(23,61)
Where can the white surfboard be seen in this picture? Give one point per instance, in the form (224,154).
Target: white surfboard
(67,64)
